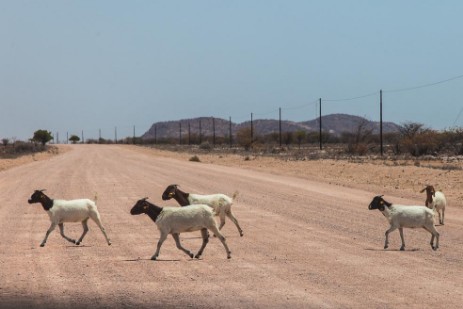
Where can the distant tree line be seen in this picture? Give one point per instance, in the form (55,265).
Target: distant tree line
(412,139)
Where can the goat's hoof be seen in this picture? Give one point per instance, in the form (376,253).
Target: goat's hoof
(42,245)
(77,243)
(191,255)
(385,247)
(402,248)
(197,256)
(153,258)
(109,243)
(229,257)
(434,248)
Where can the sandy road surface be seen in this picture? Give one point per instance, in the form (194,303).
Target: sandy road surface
(306,244)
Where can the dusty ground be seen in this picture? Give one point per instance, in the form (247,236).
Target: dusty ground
(309,241)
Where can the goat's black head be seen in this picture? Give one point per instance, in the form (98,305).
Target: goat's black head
(141,207)
(169,192)
(37,197)
(378,203)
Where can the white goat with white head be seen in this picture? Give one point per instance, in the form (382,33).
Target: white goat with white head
(176,220)
(221,203)
(61,211)
(400,216)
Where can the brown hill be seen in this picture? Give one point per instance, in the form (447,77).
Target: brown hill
(334,123)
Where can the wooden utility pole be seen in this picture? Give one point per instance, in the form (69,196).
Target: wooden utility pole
(279,125)
(381,120)
(252,130)
(213,131)
(189,133)
(200,132)
(230,133)
(320,118)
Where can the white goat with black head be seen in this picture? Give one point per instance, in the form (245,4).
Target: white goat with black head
(436,201)
(221,203)
(61,211)
(176,220)
(400,216)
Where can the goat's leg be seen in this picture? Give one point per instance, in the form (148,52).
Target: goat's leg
(96,217)
(205,235)
(431,229)
(50,229)
(85,226)
(232,217)
(222,219)
(61,230)
(443,214)
(217,233)
(179,245)
(401,231)
(162,238)
(386,243)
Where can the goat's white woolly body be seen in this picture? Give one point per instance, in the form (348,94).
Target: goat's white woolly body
(438,204)
(175,220)
(220,203)
(408,216)
(72,211)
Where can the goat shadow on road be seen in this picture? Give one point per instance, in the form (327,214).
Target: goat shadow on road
(147,259)
(391,250)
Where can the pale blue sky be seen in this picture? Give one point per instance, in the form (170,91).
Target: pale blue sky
(68,66)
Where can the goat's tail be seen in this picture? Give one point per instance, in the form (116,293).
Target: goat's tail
(96,197)
(235,195)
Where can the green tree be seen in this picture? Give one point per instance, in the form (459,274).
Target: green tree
(74,139)
(42,136)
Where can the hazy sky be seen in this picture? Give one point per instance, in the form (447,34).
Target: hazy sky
(68,66)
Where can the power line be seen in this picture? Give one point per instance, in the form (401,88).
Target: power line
(354,98)
(424,86)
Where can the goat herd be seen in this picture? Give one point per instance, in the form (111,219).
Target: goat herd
(169,220)
(200,216)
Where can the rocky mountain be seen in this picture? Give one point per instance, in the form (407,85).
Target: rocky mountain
(335,124)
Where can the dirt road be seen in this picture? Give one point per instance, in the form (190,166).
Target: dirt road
(305,244)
